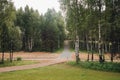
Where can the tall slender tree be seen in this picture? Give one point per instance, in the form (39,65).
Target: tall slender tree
(8,17)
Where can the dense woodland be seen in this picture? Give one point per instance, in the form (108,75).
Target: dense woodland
(96,23)
(93,24)
(27,30)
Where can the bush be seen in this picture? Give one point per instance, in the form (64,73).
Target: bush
(106,66)
(19,59)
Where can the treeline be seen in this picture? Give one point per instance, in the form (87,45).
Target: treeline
(27,30)
(96,23)
(40,32)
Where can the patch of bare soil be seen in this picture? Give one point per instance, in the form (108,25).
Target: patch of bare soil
(32,55)
(84,56)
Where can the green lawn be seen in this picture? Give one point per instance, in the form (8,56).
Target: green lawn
(17,63)
(59,72)
(59,51)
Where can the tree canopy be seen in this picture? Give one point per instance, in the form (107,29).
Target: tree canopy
(27,30)
(96,23)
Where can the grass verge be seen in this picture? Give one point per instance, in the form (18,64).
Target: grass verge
(106,66)
(17,63)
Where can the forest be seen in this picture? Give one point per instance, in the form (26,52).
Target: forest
(26,29)
(79,41)
(94,25)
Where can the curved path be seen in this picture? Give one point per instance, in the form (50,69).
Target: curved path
(14,68)
(64,56)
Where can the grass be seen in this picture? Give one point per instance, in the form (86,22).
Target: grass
(72,50)
(59,72)
(59,51)
(106,66)
(17,63)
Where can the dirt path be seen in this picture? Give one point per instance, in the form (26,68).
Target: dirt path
(24,67)
(52,59)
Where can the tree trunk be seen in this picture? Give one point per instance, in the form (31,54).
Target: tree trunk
(113,50)
(99,44)
(111,56)
(77,51)
(3,51)
(106,49)
(10,56)
(11,50)
(87,44)
(59,42)
(30,44)
(92,49)
(3,57)
(99,27)
(103,51)
(118,47)
(76,32)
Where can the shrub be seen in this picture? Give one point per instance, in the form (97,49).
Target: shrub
(19,59)
(106,66)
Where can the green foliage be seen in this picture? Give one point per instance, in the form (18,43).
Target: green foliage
(9,34)
(59,51)
(17,63)
(25,29)
(52,33)
(40,32)
(106,66)
(94,21)
(19,59)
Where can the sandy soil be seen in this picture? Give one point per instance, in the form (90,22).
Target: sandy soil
(83,56)
(32,55)
(46,56)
